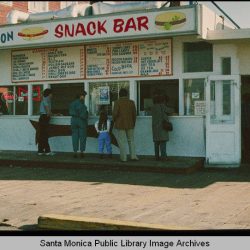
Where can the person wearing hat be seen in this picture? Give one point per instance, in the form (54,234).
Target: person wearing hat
(79,122)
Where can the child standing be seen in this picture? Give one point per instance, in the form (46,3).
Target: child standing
(102,127)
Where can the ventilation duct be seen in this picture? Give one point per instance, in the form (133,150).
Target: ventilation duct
(74,10)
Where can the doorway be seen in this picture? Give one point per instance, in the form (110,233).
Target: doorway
(223,142)
(245,118)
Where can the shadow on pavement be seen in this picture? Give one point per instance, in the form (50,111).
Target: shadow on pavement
(32,227)
(199,179)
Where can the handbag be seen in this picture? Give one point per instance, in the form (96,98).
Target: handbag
(166,125)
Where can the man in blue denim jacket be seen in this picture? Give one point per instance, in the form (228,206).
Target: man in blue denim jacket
(79,123)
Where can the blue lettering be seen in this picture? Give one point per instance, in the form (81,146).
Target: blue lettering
(6,37)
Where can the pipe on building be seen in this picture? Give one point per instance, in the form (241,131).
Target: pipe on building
(74,10)
(16,16)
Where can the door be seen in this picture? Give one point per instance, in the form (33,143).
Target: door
(223,142)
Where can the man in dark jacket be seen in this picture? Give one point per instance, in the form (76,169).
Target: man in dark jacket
(124,117)
(79,123)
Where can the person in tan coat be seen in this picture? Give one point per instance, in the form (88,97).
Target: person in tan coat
(124,117)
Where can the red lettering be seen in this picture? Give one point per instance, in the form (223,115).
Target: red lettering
(8,96)
(101,27)
(130,24)
(93,28)
(67,30)
(142,22)
(118,25)
(59,31)
(80,29)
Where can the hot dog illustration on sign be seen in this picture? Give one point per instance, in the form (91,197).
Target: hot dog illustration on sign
(33,33)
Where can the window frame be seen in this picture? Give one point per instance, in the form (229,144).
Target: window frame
(16,99)
(138,91)
(33,10)
(7,3)
(66,4)
(183,93)
(112,81)
(218,115)
(184,70)
(65,83)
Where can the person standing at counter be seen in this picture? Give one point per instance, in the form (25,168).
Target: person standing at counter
(160,135)
(103,129)
(45,115)
(124,117)
(79,123)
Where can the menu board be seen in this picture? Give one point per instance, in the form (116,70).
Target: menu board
(155,58)
(131,59)
(48,64)
(25,66)
(98,61)
(124,59)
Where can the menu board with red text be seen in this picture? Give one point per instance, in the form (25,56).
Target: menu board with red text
(114,60)
(131,59)
(47,64)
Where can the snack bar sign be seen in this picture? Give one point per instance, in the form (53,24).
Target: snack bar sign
(150,23)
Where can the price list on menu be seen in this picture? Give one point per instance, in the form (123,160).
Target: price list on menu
(147,58)
(98,61)
(48,64)
(155,58)
(25,66)
(144,58)
(124,59)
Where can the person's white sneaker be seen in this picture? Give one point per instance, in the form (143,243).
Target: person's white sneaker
(50,153)
(135,159)
(40,153)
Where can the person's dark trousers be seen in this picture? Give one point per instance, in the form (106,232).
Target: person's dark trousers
(160,145)
(43,142)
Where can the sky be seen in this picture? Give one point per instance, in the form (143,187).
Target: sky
(239,11)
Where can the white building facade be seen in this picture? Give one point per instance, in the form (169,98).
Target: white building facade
(183,51)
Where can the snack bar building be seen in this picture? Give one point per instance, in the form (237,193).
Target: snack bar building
(191,54)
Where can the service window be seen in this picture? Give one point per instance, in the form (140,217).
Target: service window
(146,90)
(63,95)
(198,57)
(7,100)
(194,97)
(37,93)
(102,96)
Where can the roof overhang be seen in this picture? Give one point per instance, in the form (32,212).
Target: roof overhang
(228,35)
